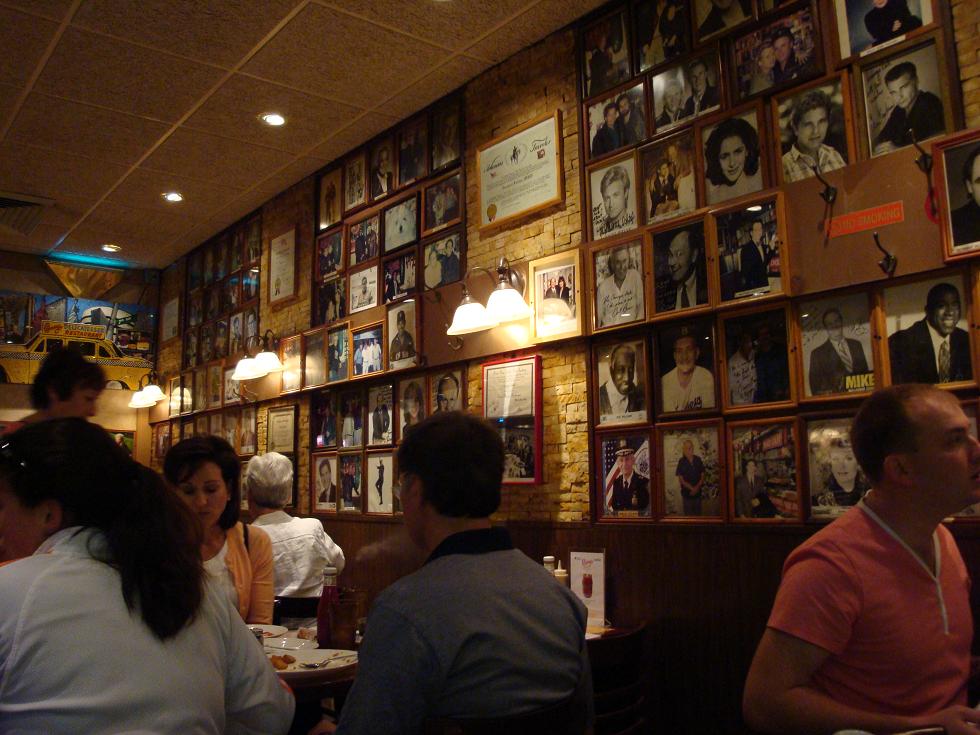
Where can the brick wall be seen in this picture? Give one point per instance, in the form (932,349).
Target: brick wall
(966,31)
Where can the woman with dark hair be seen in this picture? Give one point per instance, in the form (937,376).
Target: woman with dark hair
(413,404)
(732,160)
(105,622)
(205,472)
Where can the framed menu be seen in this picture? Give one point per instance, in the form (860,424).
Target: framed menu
(282,267)
(512,401)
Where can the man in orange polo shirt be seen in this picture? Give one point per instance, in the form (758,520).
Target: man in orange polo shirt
(871,628)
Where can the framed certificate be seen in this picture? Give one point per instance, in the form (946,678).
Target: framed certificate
(281,430)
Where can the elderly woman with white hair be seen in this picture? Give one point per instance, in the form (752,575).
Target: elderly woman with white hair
(300,547)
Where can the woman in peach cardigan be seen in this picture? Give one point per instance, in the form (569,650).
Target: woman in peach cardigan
(205,472)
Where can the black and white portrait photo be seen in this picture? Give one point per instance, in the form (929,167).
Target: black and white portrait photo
(686,361)
(661,31)
(685,91)
(381,414)
(324,472)
(903,99)
(329,193)
(926,323)
(714,17)
(413,146)
(835,335)
(442,260)
(692,471)
(363,240)
(748,251)
(757,358)
(446,391)
(445,141)
(606,61)
(355,192)
(733,163)
(380,470)
(862,24)
(961,173)
(613,198)
(363,289)
(402,349)
(836,480)
(680,268)
(617,120)
(667,178)
(621,373)
(778,54)
(624,472)
(382,176)
(330,301)
(764,471)
(813,131)
(401,225)
(619,294)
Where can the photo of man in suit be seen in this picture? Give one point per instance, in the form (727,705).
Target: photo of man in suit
(630,490)
(751,497)
(754,260)
(621,399)
(917,112)
(704,96)
(966,219)
(934,349)
(688,284)
(836,358)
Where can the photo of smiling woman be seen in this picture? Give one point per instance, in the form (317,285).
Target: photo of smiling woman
(732,158)
(836,481)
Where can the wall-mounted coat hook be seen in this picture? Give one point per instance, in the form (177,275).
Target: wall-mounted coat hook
(924,162)
(889,263)
(829,193)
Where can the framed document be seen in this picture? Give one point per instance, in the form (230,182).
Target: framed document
(521,172)
(512,400)
(170,321)
(282,267)
(281,430)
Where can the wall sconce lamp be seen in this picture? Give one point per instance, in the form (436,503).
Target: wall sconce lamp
(148,396)
(506,302)
(265,362)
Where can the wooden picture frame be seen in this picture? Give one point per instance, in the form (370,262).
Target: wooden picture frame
(400,275)
(512,401)
(230,419)
(366,296)
(338,353)
(403,337)
(220,345)
(328,260)
(368,350)
(692,452)
(189,353)
(381,415)
(236,334)
(248,442)
(216,384)
(613,180)
(381,168)
(607,134)
(329,197)
(443,203)
(281,429)
(291,355)
(623,379)
(350,482)
(687,367)
(355,181)
(835,481)
(445,143)
(170,321)
(745,334)
(668,178)
(707,22)
(323,420)
(200,389)
(652,47)
(253,240)
(856,42)
(411,402)
(738,138)
(350,419)
(769,493)
(605,49)
(283,280)
(447,390)
(957,185)
(624,475)
(555,294)
(401,223)
(205,343)
(314,358)
(251,284)
(687,89)
(413,151)
(363,239)
(512,186)
(683,282)
(232,394)
(330,300)
(379,483)
(443,259)
(323,482)
(186,392)
(615,304)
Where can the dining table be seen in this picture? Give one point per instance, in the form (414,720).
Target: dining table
(312,673)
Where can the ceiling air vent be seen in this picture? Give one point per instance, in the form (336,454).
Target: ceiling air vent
(19,213)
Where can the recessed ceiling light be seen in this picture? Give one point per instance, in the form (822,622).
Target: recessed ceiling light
(272,118)
(173,196)
(111,247)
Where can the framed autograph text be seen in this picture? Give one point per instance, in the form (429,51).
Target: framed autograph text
(521,172)
(512,401)
(282,267)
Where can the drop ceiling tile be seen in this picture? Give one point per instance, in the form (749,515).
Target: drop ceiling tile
(136,252)
(218,160)
(213,31)
(110,73)
(41,240)
(140,224)
(296,171)
(65,212)
(42,173)
(72,127)
(23,39)
(361,130)
(53,9)
(233,112)
(143,189)
(529,28)
(342,58)
(8,96)
(442,81)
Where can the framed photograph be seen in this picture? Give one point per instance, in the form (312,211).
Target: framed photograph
(368,349)
(236,334)
(606,58)
(229,428)
(621,374)
(783,52)
(612,197)
(380,479)
(401,223)
(207,271)
(661,32)
(443,260)
(231,392)
(190,356)
(212,302)
(328,188)
(364,240)
(757,367)
(446,143)
(200,389)
(836,481)
(314,358)
(216,386)
(927,330)
(281,430)
(253,240)
(351,469)
(170,321)
(195,309)
(763,462)
(713,18)
(616,120)
(733,151)
(957,176)
(447,390)
(330,300)
(291,355)
(863,26)
(201,425)
(443,203)
(363,289)
(680,269)
(382,414)
(512,401)
(205,351)
(624,474)
(216,425)
(250,326)
(686,90)
(617,271)
(221,257)
(905,96)
(323,488)
(282,267)
(186,392)
(521,171)
(403,330)
(399,275)
(835,346)
(195,273)
(355,179)
(413,146)
(329,260)
(747,243)
(351,419)
(556,296)
(161,441)
(411,403)
(692,480)
(382,176)
(232,292)
(813,129)
(338,362)
(220,346)
(686,363)
(248,442)
(323,419)
(250,284)
(667,178)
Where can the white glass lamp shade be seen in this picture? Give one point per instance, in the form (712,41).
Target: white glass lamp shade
(554,311)
(471,316)
(247,369)
(153,393)
(141,400)
(268,362)
(507,305)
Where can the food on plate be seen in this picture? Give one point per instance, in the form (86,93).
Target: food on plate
(281,663)
(307,634)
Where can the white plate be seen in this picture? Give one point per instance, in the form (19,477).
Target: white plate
(288,643)
(270,631)
(337,660)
